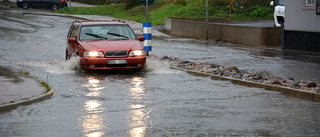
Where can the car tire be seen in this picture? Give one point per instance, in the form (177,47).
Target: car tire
(25,6)
(55,7)
(67,58)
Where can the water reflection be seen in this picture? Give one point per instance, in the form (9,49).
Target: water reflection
(93,106)
(93,85)
(138,117)
(137,86)
(93,124)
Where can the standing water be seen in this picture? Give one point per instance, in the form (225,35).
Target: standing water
(156,102)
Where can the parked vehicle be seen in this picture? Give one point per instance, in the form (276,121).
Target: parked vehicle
(279,10)
(53,4)
(103,44)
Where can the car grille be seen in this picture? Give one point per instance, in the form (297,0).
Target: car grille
(116,53)
(280,20)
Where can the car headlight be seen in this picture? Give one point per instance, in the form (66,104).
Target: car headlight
(281,12)
(137,53)
(93,54)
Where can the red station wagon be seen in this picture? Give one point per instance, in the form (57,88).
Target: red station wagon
(105,44)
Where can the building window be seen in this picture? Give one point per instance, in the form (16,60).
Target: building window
(309,3)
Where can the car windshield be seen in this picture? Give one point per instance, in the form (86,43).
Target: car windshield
(281,2)
(110,32)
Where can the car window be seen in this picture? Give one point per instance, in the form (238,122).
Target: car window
(71,31)
(110,31)
(281,2)
(74,32)
(75,35)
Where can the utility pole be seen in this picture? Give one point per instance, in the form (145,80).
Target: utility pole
(206,27)
(147,5)
(230,13)
(147,16)
(70,6)
(147,27)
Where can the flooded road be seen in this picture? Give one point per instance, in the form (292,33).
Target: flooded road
(158,101)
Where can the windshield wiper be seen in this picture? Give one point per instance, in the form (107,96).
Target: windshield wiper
(118,35)
(95,35)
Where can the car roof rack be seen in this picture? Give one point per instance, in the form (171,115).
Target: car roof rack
(114,20)
(118,20)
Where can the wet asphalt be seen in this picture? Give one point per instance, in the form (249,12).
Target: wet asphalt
(158,101)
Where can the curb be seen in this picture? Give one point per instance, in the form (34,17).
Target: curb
(16,104)
(53,14)
(296,93)
(46,14)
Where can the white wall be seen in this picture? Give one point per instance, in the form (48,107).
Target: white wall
(299,17)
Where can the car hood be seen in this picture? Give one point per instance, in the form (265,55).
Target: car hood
(103,45)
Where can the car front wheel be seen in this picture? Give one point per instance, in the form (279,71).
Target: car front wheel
(25,6)
(67,57)
(55,7)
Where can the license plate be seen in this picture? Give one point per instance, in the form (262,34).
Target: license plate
(117,61)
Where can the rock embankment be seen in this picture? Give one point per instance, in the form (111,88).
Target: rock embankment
(234,72)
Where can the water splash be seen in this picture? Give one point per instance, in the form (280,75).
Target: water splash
(63,67)
(57,67)
(157,66)
(153,65)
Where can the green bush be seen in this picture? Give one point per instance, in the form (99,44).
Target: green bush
(168,8)
(218,2)
(232,8)
(259,13)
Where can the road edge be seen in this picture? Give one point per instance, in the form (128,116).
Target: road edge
(57,14)
(47,94)
(296,93)
(31,100)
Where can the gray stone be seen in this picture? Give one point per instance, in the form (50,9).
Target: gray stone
(245,76)
(312,84)
(186,62)
(257,77)
(231,68)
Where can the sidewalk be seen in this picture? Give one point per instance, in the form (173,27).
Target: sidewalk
(19,90)
(11,91)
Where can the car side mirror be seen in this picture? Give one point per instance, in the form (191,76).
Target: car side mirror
(72,40)
(272,3)
(141,38)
